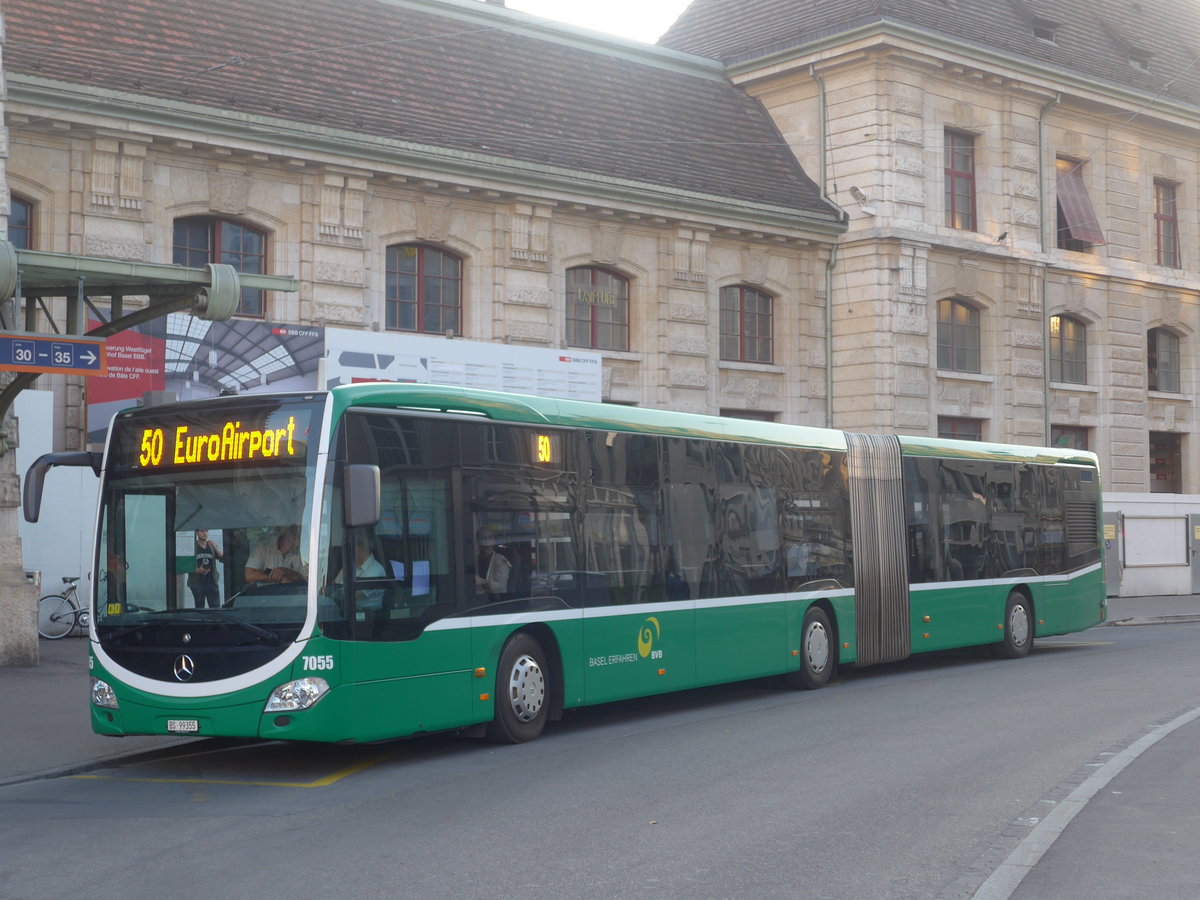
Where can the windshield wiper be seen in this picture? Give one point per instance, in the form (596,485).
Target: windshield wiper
(125,632)
(134,629)
(203,615)
(270,637)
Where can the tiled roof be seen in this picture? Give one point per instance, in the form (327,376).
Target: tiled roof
(484,82)
(1093,39)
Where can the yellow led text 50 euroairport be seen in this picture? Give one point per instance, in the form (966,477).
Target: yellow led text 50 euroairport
(230,444)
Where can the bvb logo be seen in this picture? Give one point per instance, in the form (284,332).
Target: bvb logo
(649,633)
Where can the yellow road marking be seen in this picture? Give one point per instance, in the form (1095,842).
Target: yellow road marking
(320,782)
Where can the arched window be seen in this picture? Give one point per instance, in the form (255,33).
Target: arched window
(746,325)
(20,223)
(200,240)
(424,289)
(597,309)
(1162,360)
(958,336)
(1068,350)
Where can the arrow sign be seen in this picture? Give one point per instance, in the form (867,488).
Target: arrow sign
(64,354)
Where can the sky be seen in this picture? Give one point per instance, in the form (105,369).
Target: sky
(641,20)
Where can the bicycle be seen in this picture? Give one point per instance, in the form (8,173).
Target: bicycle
(60,614)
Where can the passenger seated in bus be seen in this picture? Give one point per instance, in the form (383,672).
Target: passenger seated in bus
(492,568)
(277,559)
(799,560)
(365,566)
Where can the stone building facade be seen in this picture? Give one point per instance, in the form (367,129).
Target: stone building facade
(105,174)
(999,325)
(1079,294)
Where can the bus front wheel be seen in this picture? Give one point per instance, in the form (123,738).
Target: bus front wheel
(522,692)
(1018,628)
(817,652)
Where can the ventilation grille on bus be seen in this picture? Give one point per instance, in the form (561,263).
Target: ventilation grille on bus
(1082,521)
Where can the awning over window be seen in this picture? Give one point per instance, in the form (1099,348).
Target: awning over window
(1077,211)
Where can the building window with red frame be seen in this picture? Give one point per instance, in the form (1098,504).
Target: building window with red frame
(1071,437)
(199,240)
(960,180)
(1078,227)
(958,337)
(754,415)
(424,290)
(20,223)
(1166,224)
(957,429)
(746,325)
(1068,350)
(597,309)
(1162,361)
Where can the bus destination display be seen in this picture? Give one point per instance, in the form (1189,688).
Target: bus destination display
(232,443)
(232,436)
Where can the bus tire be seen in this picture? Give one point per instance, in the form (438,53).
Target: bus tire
(1018,628)
(818,652)
(522,692)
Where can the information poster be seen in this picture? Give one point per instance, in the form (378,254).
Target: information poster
(194,359)
(354,356)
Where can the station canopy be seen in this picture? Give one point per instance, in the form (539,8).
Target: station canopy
(28,278)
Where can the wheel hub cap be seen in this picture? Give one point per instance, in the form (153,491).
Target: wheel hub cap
(526,688)
(816,647)
(1018,625)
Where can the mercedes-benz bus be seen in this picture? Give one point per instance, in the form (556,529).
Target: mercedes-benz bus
(406,558)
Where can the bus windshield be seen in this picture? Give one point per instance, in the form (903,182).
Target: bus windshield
(204,529)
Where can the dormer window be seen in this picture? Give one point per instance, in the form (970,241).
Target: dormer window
(1045,31)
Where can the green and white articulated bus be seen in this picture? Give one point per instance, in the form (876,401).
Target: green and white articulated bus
(483,561)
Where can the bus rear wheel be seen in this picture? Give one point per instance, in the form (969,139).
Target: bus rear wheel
(522,692)
(817,652)
(1018,628)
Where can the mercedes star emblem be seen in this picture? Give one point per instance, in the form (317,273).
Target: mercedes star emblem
(185,668)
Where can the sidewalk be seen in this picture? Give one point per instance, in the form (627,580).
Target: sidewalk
(45,708)
(1153,610)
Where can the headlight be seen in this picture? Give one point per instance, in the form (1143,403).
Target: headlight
(102,695)
(296,695)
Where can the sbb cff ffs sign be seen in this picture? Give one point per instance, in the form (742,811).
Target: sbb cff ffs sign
(43,353)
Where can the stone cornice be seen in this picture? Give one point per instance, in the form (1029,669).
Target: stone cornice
(99,108)
(949,49)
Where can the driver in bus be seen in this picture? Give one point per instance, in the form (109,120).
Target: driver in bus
(277,559)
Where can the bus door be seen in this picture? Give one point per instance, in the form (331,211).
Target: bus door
(518,542)
(137,553)
(395,586)
(724,528)
(639,630)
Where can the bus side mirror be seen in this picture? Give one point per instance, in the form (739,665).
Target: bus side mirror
(360,495)
(31,499)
